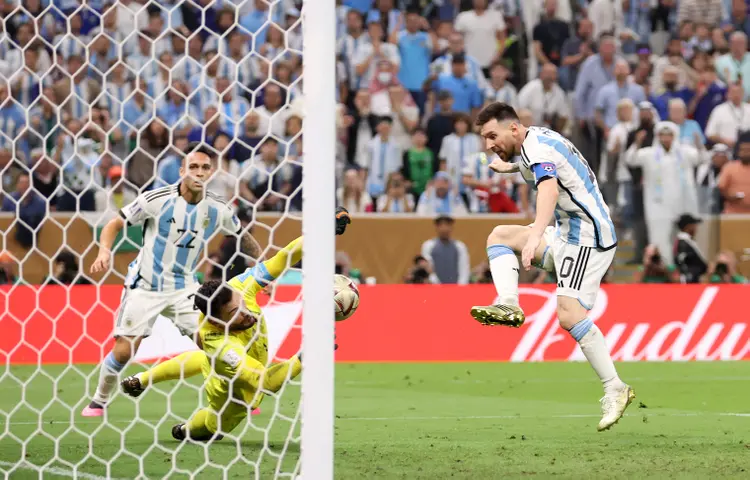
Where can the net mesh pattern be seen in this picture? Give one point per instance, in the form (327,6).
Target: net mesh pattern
(99,103)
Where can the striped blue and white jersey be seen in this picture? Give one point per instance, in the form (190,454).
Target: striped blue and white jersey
(582,215)
(174,235)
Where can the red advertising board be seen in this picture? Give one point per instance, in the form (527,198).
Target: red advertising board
(408,323)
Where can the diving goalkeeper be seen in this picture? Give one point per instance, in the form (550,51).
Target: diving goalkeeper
(234,342)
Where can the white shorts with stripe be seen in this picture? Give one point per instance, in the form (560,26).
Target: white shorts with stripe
(580,270)
(139,309)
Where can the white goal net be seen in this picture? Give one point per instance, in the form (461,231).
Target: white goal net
(100,102)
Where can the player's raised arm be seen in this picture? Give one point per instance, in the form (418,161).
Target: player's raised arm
(545,175)
(107,239)
(500,166)
(135,213)
(292,253)
(231,226)
(250,246)
(268,271)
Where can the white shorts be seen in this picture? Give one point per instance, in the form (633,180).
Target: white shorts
(139,309)
(580,270)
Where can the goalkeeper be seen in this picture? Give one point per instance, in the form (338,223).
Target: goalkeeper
(234,335)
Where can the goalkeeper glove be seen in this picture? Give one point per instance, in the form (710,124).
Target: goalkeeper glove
(342,220)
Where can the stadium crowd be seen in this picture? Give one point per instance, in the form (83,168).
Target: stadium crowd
(100,100)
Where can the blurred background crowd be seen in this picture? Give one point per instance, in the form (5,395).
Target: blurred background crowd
(99,100)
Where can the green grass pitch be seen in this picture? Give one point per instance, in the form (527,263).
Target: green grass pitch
(394,421)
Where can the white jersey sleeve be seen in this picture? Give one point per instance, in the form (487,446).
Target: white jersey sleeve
(145,206)
(228,220)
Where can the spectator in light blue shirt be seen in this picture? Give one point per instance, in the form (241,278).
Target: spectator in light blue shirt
(735,65)
(466,93)
(256,21)
(387,15)
(456,46)
(12,121)
(416,48)
(690,131)
(638,19)
(168,171)
(136,112)
(175,110)
(596,71)
(611,94)
(362,6)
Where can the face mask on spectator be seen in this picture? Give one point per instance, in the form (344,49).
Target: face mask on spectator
(384,77)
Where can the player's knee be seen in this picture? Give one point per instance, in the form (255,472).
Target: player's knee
(125,348)
(570,311)
(501,235)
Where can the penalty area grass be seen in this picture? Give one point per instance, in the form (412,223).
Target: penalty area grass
(399,421)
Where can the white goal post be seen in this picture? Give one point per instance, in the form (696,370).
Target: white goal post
(318,189)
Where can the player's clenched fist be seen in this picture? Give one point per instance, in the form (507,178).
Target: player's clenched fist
(102,261)
(342,220)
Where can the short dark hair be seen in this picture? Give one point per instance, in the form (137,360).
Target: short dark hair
(444,219)
(211,296)
(462,117)
(444,95)
(201,147)
(499,111)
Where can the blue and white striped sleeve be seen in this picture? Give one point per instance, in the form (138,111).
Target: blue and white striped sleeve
(543,162)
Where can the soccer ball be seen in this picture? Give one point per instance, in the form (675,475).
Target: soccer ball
(345,297)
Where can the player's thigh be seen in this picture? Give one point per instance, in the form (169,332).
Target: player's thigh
(224,412)
(580,271)
(544,254)
(513,236)
(137,312)
(182,312)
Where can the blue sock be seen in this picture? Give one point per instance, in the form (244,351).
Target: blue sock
(504,268)
(580,329)
(112,364)
(494,251)
(107,378)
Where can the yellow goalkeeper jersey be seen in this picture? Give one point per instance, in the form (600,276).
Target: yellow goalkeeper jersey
(249,283)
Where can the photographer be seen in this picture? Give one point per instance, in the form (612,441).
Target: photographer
(654,270)
(724,270)
(421,272)
(688,256)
